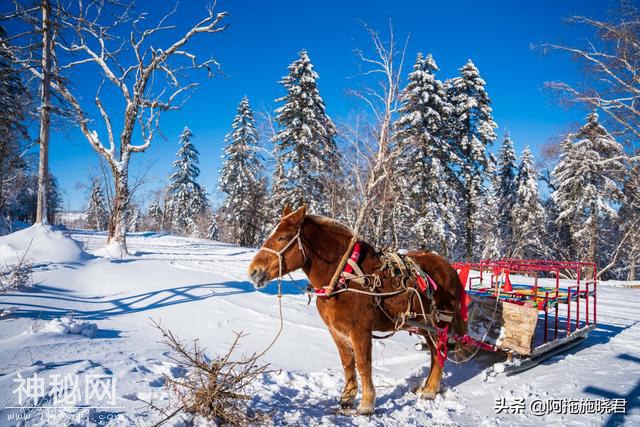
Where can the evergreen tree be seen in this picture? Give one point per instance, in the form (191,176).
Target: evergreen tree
(588,181)
(425,205)
(488,231)
(629,224)
(96,212)
(529,217)
(213,232)
(155,216)
(242,179)
(506,195)
(186,200)
(13,108)
(305,148)
(471,130)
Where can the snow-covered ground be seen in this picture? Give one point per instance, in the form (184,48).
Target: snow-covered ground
(89,315)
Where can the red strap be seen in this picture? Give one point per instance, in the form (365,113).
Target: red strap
(441,350)
(465,300)
(422,284)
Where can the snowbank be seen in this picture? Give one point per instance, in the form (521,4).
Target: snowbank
(43,243)
(69,325)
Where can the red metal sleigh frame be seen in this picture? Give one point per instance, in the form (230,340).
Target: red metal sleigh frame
(577,324)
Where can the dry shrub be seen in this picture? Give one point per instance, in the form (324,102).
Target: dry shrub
(16,276)
(214,389)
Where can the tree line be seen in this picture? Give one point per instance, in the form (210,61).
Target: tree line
(413,168)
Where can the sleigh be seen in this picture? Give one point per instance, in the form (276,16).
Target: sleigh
(520,308)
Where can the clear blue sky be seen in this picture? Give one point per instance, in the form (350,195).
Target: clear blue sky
(265,37)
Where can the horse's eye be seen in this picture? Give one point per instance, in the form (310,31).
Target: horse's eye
(281,239)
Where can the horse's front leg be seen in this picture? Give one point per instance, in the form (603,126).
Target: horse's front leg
(361,343)
(432,384)
(348,360)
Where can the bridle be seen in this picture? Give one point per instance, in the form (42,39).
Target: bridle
(279,253)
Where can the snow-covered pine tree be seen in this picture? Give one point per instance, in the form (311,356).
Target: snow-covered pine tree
(242,179)
(305,148)
(529,218)
(488,232)
(186,200)
(213,232)
(425,210)
(155,216)
(471,130)
(96,212)
(629,224)
(588,181)
(506,195)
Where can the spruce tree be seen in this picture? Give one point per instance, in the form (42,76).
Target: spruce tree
(471,130)
(213,232)
(155,216)
(305,148)
(588,181)
(96,212)
(186,200)
(506,195)
(242,179)
(425,206)
(529,218)
(629,218)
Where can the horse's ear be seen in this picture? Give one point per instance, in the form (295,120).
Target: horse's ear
(298,216)
(287,210)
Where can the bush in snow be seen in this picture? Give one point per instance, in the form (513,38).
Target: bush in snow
(15,276)
(218,389)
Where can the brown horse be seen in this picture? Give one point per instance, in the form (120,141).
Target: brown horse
(317,244)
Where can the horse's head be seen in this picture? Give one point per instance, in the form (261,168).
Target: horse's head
(282,252)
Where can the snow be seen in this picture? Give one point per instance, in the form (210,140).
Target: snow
(69,325)
(42,243)
(198,289)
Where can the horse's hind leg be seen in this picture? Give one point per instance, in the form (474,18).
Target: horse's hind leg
(432,384)
(348,360)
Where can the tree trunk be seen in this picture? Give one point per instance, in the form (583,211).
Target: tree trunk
(469,227)
(633,256)
(45,92)
(118,218)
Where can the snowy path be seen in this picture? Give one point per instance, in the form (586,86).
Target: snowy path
(198,289)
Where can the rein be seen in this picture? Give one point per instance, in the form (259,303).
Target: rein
(279,255)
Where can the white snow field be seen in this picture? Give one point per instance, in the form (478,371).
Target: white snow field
(89,315)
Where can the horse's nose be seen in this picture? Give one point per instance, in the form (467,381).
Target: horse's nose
(258,277)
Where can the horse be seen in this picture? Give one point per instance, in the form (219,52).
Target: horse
(316,244)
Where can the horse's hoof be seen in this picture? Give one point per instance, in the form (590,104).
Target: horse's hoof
(365,409)
(426,395)
(347,403)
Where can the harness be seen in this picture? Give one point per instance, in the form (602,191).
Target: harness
(283,250)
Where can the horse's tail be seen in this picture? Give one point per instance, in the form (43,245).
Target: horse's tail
(460,318)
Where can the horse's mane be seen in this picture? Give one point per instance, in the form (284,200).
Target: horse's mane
(330,223)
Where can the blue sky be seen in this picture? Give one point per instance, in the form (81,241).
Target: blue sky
(264,37)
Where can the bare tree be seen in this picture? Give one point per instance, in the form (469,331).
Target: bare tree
(150,80)
(386,62)
(612,67)
(45,118)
